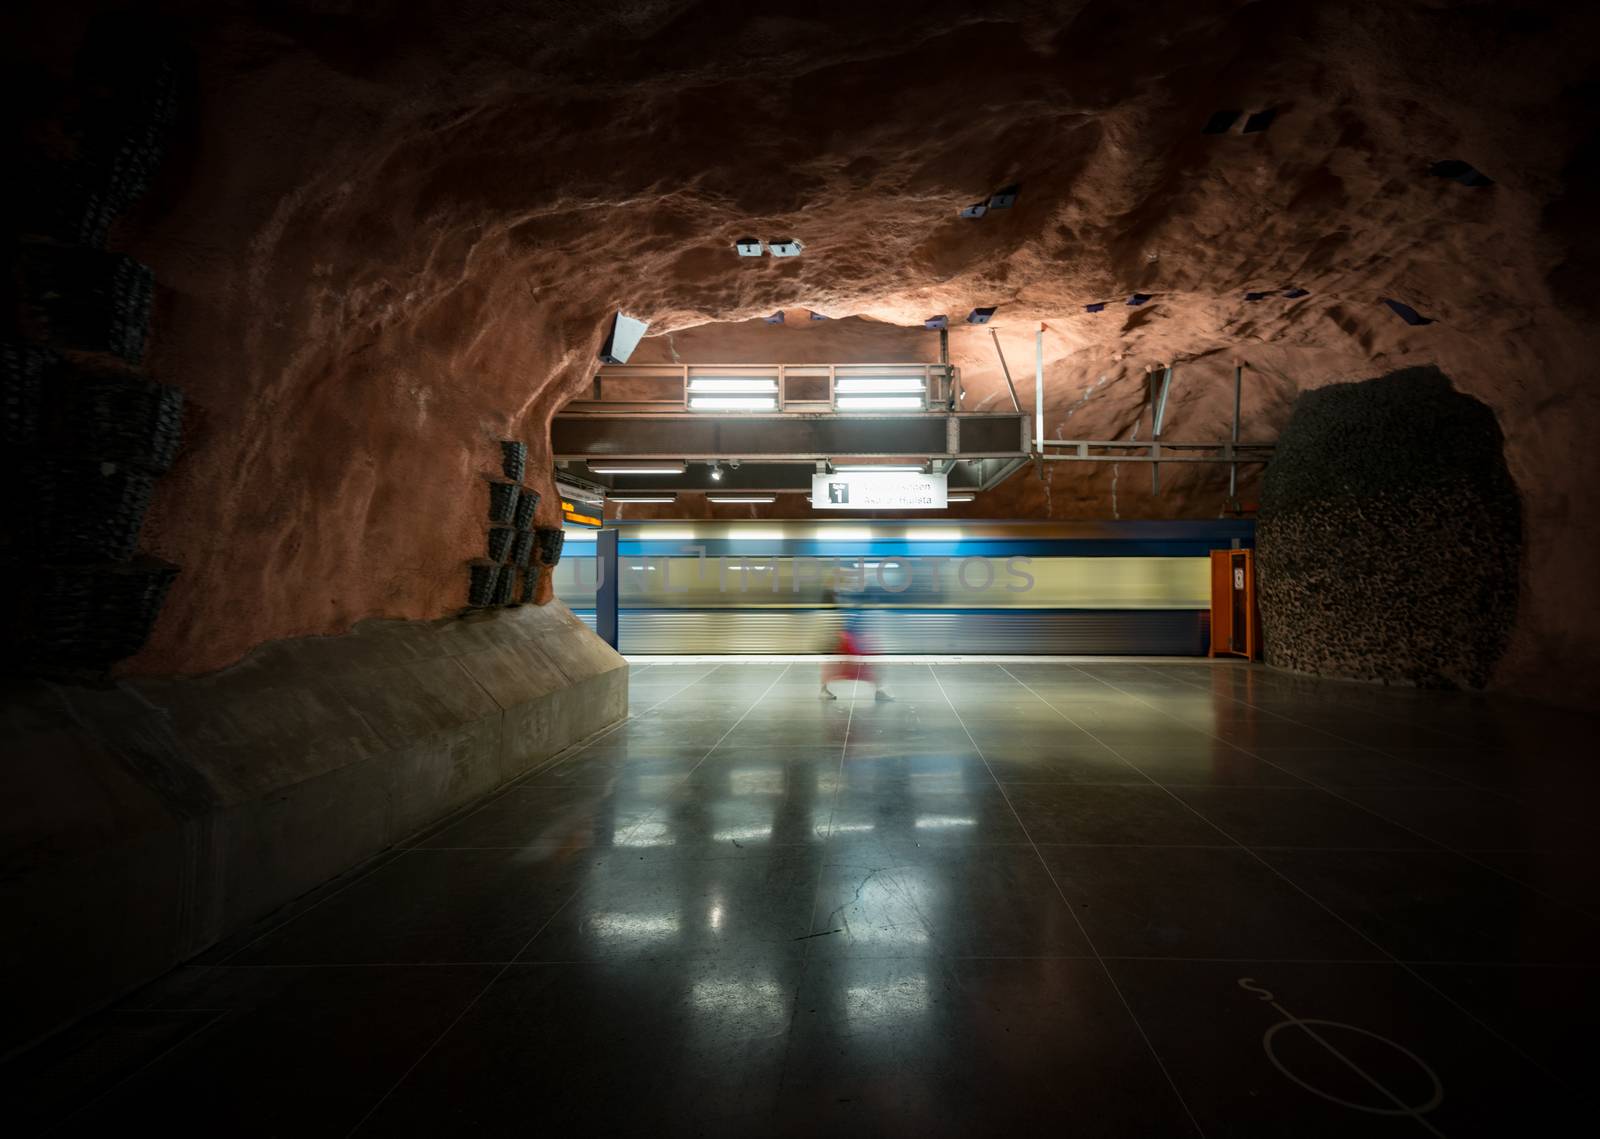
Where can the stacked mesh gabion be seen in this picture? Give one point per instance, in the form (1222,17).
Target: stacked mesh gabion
(1389,536)
(85,435)
(507,576)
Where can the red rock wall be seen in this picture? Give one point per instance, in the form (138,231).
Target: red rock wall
(388,235)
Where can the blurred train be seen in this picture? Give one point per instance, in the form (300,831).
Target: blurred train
(917,587)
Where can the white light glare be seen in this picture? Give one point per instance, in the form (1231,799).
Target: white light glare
(733,403)
(729,384)
(626,498)
(897,467)
(958,498)
(743,498)
(877,402)
(880,385)
(604,467)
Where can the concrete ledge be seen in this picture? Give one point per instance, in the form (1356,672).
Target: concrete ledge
(144,822)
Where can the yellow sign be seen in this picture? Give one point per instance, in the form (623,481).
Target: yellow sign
(569,511)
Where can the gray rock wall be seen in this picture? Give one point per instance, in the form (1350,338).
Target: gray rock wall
(143,822)
(1390,534)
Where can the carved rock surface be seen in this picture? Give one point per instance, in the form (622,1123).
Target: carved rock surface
(388,236)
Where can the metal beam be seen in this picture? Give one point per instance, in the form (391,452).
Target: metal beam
(1233,470)
(605,598)
(1016,404)
(1038,389)
(1156,432)
(786,436)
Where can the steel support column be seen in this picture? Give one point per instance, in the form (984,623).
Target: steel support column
(605,597)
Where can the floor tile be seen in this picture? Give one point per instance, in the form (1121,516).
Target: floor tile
(691,1046)
(1547,1012)
(1144,815)
(715,899)
(1209,764)
(930,817)
(975,1047)
(431,906)
(1149,901)
(290,1051)
(1344,767)
(1333,1050)
(1296,816)
(562,816)
(761,913)
(1464,818)
(888,899)
(1437,906)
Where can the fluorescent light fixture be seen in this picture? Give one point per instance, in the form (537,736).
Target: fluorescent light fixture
(877,402)
(643,498)
(743,497)
(641,467)
(880,385)
(958,498)
(733,403)
(728,385)
(917,467)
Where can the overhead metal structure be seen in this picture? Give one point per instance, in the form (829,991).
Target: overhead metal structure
(780,423)
(767,428)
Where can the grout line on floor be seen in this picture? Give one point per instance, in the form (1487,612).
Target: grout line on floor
(557,912)
(1082,930)
(1323,905)
(1465,853)
(162,1054)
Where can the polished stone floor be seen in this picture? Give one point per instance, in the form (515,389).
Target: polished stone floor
(1024,898)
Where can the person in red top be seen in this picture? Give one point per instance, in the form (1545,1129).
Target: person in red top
(850,644)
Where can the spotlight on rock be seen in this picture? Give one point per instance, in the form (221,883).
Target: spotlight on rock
(976,210)
(775,318)
(748,247)
(981,315)
(1005,197)
(785,247)
(936,322)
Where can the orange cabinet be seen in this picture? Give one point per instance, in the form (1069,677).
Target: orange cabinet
(1235,621)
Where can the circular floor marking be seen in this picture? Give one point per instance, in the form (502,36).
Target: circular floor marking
(1397,1105)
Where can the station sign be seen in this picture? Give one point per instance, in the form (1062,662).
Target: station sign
(878,490)
(579,514)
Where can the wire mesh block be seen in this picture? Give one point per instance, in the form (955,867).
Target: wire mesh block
(88,511)
(116,418)
(503,498)
(483,577)
(91,616)
(527,507)
(530,584)
(22,372)
(513,459)
(550,543)
(522,548)
(87,300)
(503,585)
(500,542)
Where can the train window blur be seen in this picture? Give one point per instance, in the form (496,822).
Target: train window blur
(985,602)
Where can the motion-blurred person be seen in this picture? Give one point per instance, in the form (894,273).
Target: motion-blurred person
(852,644)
